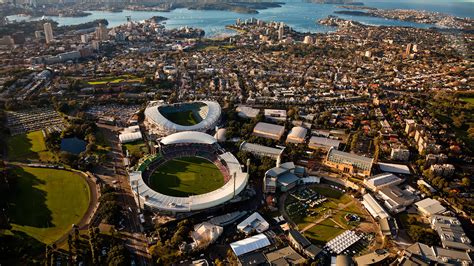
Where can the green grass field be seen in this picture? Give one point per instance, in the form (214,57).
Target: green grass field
(323,232)
(468,99)
(47,202)
(136,147)
(127,78)
(327,229)
(28,146)
(186,176)
(185,118)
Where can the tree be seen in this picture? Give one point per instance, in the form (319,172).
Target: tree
(118,255)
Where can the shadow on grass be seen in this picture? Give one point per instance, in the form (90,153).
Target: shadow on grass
(20,249)
(27,204)
(19,147)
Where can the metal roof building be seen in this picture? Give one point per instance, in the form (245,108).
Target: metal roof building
(325,143)
(297,135)
(270,131)
(374,208)
(430,207)
(250,244)
(261,150)
(377,182)
(210,114)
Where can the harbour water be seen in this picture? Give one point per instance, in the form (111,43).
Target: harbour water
(299,14)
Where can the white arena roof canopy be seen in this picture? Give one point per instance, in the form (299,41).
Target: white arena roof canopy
(212,117)
(188,137)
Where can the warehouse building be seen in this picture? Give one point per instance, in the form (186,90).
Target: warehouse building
(373,207)
(451,232)
(380,181)
(260,150)
(269,131)
(297,135)
(430,207)
(395,199)
(323,143)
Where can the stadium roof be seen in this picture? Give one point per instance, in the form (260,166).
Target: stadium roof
(212,117)
(250,244)
(188,137)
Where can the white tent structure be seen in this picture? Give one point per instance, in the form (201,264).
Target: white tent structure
(250,244)
(130,137)
(343,241)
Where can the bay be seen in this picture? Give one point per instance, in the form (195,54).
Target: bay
(301,15)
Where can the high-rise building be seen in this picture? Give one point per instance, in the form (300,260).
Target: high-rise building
(48,32)
(101,33)
(84,38)
(408,50)
(281,32)
(308,40)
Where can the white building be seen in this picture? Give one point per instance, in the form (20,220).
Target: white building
(48,32)
(253,223)
(250,244)
(380,181)
(430,207)
(373,207)
(297,135)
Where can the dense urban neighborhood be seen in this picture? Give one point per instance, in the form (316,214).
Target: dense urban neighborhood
(141,144)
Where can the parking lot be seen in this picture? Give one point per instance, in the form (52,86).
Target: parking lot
(47,119)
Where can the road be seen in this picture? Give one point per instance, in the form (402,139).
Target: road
(116,173)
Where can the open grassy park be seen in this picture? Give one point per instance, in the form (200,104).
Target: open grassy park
(468,99)
(105,80)
(47,202)
(326,219)
(184,118)
(186,176)
(28,146)
(137,147)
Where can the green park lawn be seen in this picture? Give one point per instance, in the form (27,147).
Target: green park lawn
(184,118)
(323,232)
(137,147)
(118,79)
(28,146)
(186,176)
(327,229)
(47,202)
(468,99)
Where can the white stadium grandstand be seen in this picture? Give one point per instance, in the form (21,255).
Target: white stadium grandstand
(189,144)
(164,119)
